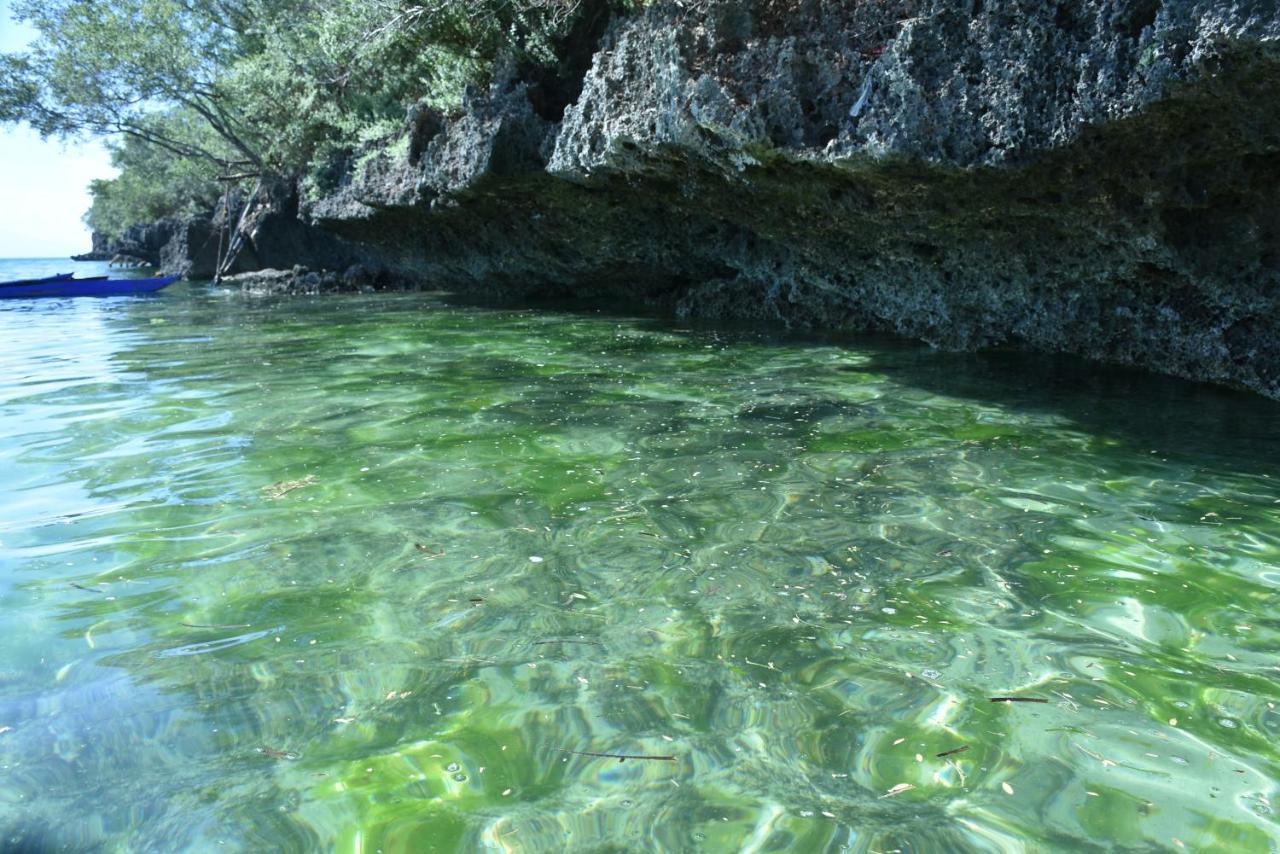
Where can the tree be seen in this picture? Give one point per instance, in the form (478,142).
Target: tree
(153,183)
(106,68)
(271,78)
(250,88)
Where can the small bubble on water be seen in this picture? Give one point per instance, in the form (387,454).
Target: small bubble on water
(806,813)
(460,777)
(1228,723)
(889,610)
(626,803)
(452,766)
(930,673)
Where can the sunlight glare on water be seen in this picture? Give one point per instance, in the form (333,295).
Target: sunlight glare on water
(361,573)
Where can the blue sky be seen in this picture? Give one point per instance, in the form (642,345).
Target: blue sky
(44,184)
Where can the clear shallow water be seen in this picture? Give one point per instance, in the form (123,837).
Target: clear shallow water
(353,573)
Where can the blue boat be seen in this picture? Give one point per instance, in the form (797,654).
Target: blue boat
(66,285)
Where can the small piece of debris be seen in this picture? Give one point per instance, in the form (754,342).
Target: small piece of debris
(621,757)
(276,491)
(201,626)
(863,97)
(897,790)
(1017,700)
(272,753)
(953,752)
(1008,790)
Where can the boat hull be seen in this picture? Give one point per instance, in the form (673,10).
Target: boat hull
(84,288)
(58,277)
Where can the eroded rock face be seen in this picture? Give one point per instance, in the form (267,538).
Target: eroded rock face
(176,246)
(300,281)
(1088,176)
(101,250)
(275,236)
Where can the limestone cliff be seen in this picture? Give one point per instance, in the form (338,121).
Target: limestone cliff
(1088,176)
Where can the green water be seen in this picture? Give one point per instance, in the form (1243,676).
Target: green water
(354,573)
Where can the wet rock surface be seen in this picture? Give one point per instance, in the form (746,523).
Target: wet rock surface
(175,246)
(300,280)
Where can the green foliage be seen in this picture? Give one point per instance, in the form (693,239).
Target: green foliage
(107,68)
(153,182)
(252,87)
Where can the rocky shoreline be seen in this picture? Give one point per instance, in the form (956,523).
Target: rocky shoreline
(1096,177)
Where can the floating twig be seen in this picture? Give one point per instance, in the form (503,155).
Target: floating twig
(87,589)
(272,753)
(1017,700)
(199,626)
(952,752)
(621,757)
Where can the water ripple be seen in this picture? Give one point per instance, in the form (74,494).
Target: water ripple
(484,538)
